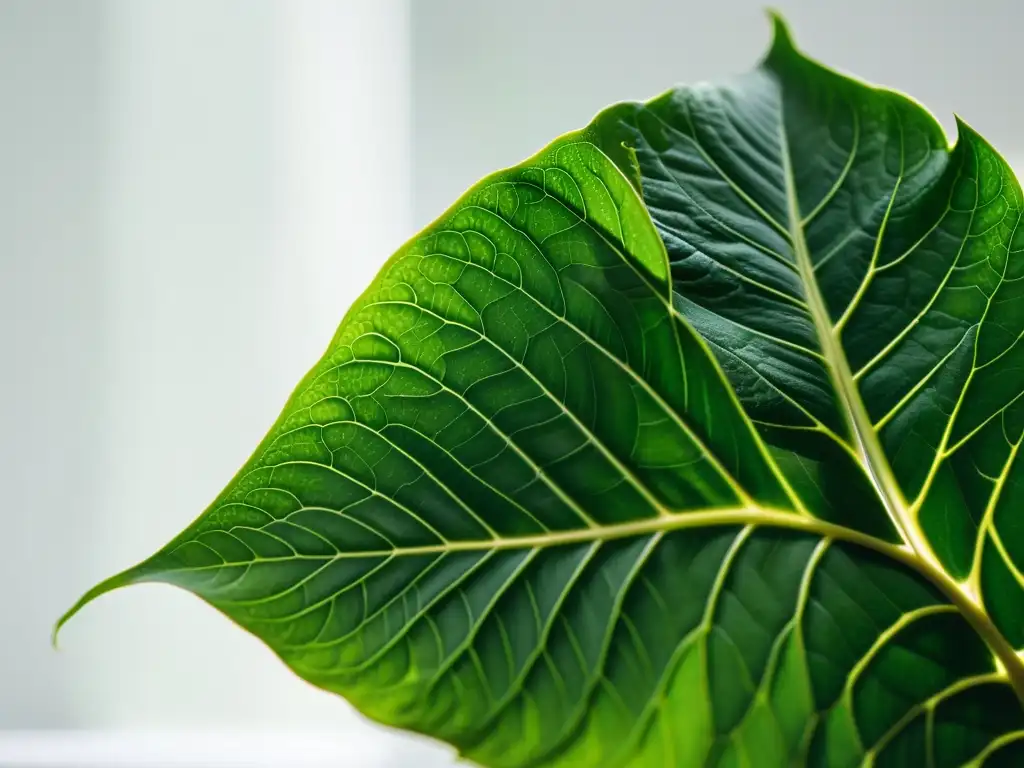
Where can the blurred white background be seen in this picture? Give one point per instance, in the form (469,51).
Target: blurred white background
(191,194)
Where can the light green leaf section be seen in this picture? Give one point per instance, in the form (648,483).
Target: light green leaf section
(689,441)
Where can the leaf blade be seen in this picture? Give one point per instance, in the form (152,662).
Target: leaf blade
(552,499)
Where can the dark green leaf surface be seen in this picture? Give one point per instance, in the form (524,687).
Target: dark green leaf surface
(690,441)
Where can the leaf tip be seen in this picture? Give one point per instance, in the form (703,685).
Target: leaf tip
(55,631)
(965,132)
(782,37)
(963,128)
(107,585)
(61,622)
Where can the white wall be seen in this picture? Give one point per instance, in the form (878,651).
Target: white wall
(52,336)
(191,193)
(494,82)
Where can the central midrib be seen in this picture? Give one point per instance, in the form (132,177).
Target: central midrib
(752,515)
(868,447)
(744,516)
(873,459)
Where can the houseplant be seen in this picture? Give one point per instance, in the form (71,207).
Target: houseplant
(690,440)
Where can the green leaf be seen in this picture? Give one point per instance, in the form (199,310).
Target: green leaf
(692,440)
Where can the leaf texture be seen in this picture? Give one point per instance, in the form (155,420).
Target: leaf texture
(859,280)
(692,440)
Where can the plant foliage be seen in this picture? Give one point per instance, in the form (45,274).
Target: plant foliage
(691,440)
